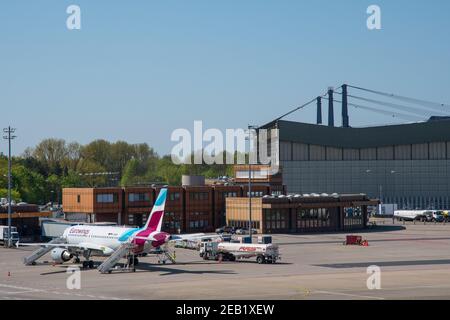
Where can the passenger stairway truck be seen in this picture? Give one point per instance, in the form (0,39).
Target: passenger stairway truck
(123,251)
(126,251)
(228,251)
(31,259)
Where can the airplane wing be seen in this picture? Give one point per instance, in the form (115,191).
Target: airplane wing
(194,237)
(56,245)
(82,246)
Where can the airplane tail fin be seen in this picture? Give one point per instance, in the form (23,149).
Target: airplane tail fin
(154,221)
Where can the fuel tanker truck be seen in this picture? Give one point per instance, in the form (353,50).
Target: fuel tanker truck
(229,251)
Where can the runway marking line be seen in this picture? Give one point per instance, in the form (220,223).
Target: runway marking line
(28,290)
(348,295)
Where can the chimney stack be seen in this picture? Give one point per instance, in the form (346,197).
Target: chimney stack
(330,107)
(345,122)
(319,110)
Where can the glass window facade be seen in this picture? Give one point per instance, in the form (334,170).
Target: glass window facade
(199,195)
(314,220)
(276,219)
(172,221)
(353,217)
(174,196)
(136,197)
(107,198)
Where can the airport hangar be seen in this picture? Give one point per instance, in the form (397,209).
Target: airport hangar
(406,164)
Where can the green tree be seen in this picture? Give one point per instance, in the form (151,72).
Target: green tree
(169,172)
(90,171)
(51,152)
(15,195)
(72,180)
(31,185)
(98,151)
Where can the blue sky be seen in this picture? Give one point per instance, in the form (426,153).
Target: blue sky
(140,69)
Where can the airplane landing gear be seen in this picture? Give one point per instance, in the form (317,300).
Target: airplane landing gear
(88,264)
(133,261)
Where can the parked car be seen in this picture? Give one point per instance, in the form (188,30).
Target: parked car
(226,229)
(245,231)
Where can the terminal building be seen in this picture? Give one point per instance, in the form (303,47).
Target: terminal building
(192,207)
(199,207)
(406,164)
(25,217)
(301,213)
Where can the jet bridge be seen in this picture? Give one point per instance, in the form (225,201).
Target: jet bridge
(31,259)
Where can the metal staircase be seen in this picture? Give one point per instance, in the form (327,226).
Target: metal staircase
(165,255)
(112,260)
(31,259)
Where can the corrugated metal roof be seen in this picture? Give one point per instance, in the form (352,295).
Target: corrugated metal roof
(403,134)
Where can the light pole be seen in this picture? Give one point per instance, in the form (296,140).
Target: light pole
(9,137)
(380,192)
(52,199)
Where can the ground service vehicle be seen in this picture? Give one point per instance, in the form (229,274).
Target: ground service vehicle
(226,229)
(411,215)
(4,235)
(421,215)
(435,216)
(228,251)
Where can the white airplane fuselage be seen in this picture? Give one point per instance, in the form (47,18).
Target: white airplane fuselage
(106,239)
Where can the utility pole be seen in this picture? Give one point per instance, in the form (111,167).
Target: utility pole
(9,137)
(250,128)
(380,191)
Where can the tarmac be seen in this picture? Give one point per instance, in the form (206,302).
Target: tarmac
(413,259)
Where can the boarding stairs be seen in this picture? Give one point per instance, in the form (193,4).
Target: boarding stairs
(121,252)
(31,259)
(166,255)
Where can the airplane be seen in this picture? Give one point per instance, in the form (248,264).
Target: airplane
(104,240)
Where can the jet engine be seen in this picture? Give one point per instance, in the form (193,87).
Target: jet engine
(60,255)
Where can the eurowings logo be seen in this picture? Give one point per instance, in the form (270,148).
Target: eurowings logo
(79,231)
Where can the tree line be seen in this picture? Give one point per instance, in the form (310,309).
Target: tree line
(40,173)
